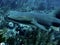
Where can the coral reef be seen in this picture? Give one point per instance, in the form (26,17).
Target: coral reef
(29,22)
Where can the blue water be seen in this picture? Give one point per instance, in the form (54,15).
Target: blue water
(33,4)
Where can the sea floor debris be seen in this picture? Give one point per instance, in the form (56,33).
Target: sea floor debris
(26,32)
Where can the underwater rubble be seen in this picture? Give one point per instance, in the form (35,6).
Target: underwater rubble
(29,28)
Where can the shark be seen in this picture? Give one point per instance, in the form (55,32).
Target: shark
(41,20)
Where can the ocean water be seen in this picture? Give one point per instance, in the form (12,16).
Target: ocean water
(34,4)
(29,22)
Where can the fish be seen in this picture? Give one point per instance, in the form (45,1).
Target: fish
(42,19)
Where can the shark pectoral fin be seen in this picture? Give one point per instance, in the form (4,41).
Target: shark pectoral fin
(39,25)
